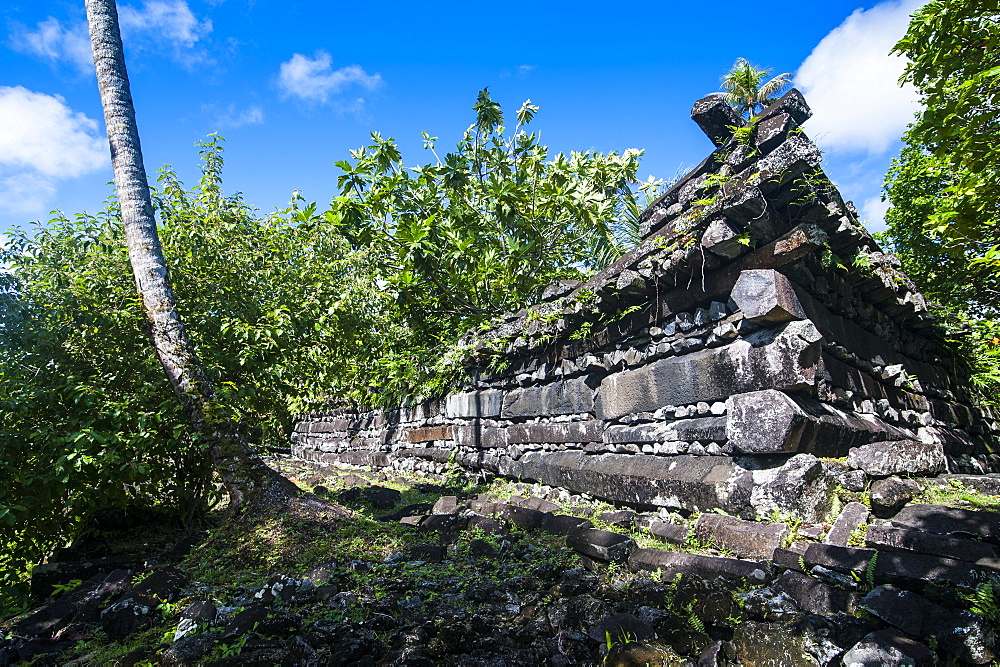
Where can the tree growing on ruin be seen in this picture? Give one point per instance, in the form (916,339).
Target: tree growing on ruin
(745,91)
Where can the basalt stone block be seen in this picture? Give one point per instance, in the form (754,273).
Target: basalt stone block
(988,484)
(444,523)
(875,649)
(722,239)
(535,503)
(618,434)
(742,201)
(427,434)
(772,131)
(897,567)
(792,103)
(563,524)
(771,421)
(766,296)
(960,633)
(699,429)
(888,538)
(47,621)
(125,617)
(715,117)
(950,521)
(47,575)
(671,533)
(802,488)
(852,516)
(782,358)
(881,459)
(164,583)
(588,431)
(812,595)
(670,563)
(558,398)
(479,437)
(747,539)
(200,611)
(601,544)
(522,517)
(621,519)
(469,404)
(692,483)
(795,156)
(888,495)
(445,505)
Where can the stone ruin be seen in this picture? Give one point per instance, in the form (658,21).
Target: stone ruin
(754,351)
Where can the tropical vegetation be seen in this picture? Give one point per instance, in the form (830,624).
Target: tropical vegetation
(944,188)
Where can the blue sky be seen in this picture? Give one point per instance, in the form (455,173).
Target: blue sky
(294,85)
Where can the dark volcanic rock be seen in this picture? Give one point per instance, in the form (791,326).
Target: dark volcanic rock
(670,562)
(889,649)
(715,117)
(125,617)
(888,495)
(950,521)
(772,421)
(784,358)
(849,519)
(891,567)
(812,595)
(563,524)
(757,644)
(163,583)
(694,483)
(621,625)
(881,459)
(201,611)
(601,544)
(381,497)
(46,621)
(245,621)
(189,650)
(669,532)
(766,296)
(47,575)
(900,539)
(559,398)
(801,488)
(747,539)
(964,635)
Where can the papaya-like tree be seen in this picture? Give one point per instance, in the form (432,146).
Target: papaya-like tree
(245,475)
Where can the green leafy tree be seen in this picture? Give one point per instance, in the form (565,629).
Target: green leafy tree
(282,312)
(745,91)
(944,188)
(484,228)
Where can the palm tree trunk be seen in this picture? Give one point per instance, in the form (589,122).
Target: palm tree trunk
(245,475)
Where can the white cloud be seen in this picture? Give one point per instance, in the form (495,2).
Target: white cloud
(157,25)
(851,82)
(43,142)
(26,193)
(231,117)
(873,210)
(50,40)
(166,20)
(315,79)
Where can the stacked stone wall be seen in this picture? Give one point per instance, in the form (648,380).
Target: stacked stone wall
(757,332)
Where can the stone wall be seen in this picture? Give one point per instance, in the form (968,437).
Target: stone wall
(755,335)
